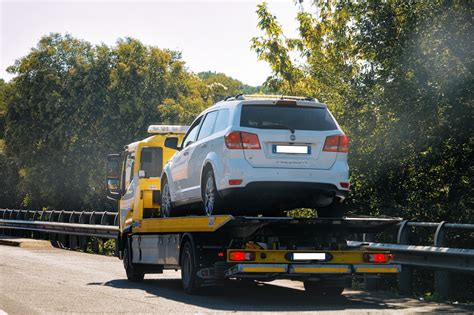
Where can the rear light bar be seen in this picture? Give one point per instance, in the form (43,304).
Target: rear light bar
(242,140)
(377,258)
(345,185)
(336,143)
(241,256)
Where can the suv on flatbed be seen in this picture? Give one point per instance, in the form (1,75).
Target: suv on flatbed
(261,155)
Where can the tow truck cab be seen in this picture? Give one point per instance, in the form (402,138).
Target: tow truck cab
(134,175)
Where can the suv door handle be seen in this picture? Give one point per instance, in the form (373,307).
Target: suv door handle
(203,146)
(185,153)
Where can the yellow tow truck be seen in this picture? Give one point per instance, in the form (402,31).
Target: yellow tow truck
(211,250)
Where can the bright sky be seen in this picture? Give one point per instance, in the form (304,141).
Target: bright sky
(212,35)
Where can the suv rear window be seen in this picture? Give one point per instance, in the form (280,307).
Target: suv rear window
(285,117)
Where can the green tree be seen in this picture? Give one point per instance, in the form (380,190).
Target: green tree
(398,76)
(72,103)
(220,86)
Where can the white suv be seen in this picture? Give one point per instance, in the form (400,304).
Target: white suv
(259,155)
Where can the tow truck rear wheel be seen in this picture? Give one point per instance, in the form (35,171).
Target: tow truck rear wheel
(319,289)
(189,278)
(130,269)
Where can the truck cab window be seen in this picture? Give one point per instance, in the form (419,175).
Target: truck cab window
(151,161)
(129,164)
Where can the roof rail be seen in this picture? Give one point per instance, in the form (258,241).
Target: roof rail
(269,96)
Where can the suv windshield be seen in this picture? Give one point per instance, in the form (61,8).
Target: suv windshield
(283,117)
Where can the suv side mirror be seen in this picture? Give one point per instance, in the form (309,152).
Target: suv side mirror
(172,143)
(113,176)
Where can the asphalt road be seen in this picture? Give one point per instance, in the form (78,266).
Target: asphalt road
(45,280)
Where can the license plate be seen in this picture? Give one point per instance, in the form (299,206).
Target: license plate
(309,256)
(291,149)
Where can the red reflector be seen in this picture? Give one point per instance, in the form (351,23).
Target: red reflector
(345,184)
(377,258)
(235,181)
(241,256)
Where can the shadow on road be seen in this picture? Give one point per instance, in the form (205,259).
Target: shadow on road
(236,296)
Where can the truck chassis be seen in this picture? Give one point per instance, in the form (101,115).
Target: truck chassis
(211,250)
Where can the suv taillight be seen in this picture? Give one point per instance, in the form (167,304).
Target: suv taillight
(337,143)
(242,140)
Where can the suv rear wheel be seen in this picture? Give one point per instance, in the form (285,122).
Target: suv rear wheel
(166,209)
(212,202)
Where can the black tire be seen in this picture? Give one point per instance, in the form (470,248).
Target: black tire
(319,289)
(212,202)
(335,210)
(130,269)
(189,278)
(166,208)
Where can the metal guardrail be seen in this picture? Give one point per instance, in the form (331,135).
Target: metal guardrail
(67,229)
(443,260)
(439,258)
(83,217)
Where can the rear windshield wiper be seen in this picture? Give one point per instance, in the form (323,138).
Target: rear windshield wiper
(278,126)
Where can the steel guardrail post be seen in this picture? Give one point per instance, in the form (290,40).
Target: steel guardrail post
(442,278)
(95,241)
(82,239)
(405,276)
(73,239)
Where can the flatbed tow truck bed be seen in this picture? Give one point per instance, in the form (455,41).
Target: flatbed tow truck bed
(210,250)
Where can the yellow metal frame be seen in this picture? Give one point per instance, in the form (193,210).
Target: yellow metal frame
(278,256)
(320,269)
(377,268)
(180,224)
(313,268)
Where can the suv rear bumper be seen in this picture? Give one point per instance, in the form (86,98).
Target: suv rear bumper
(241,169)
(286,195)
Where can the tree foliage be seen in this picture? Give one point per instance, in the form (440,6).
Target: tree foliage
(399,77)
(72,103)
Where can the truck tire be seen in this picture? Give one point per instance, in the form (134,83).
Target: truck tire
(212,202)
(189,278)
(319,289)
(130,269)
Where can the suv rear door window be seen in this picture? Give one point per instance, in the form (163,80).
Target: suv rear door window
(222,120)
(207,125)
(286,117)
